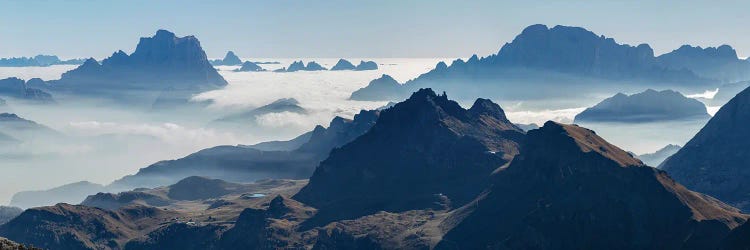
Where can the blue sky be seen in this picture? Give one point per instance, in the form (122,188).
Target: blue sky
(78,28)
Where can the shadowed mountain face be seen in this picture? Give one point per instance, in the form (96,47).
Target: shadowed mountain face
(647,106)
(547,58)
(719,63)
(160,62)
(249,117)
(424,152)
(717,160)
(570,189)
(248,163)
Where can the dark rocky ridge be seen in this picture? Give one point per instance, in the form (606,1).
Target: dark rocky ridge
(570,189)
(715,161)
(430,140)
(647,106)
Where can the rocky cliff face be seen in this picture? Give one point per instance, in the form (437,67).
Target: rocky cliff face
(160,62)
(716,160)
(424,152)
(570,189)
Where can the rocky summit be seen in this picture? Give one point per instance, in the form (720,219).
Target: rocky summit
(570,189)
(438,155)
(160,62)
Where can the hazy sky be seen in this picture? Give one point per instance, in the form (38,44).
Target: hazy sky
(399,28)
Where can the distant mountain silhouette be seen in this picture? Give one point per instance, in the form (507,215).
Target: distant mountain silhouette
(17,88)
(163,62)
(647,106)
(548,58)
(383,88)
(247,164)
(249,67)
(230,59)
(368,65)
(715,161)
(72,193)
(343,65)
(300,66)
(413,158)
(719,63)
(37,61)
(570,189)
(249,117)
(8,213)
(656,158)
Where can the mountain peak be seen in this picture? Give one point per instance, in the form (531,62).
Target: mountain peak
(586,140)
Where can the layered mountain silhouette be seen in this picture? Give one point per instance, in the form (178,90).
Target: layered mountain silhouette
(424,152)
(19,89)
(647,106)
(175,67)
(230,59)
(37,61)
(72,193)
(715,160)
(383,88)
(8,213)
(570,189)
(719,63)
(247,164)
(366,65)
(548,58)
(656,158)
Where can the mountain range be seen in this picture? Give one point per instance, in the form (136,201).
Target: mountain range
(37,61)
(574,57)
(454,178)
